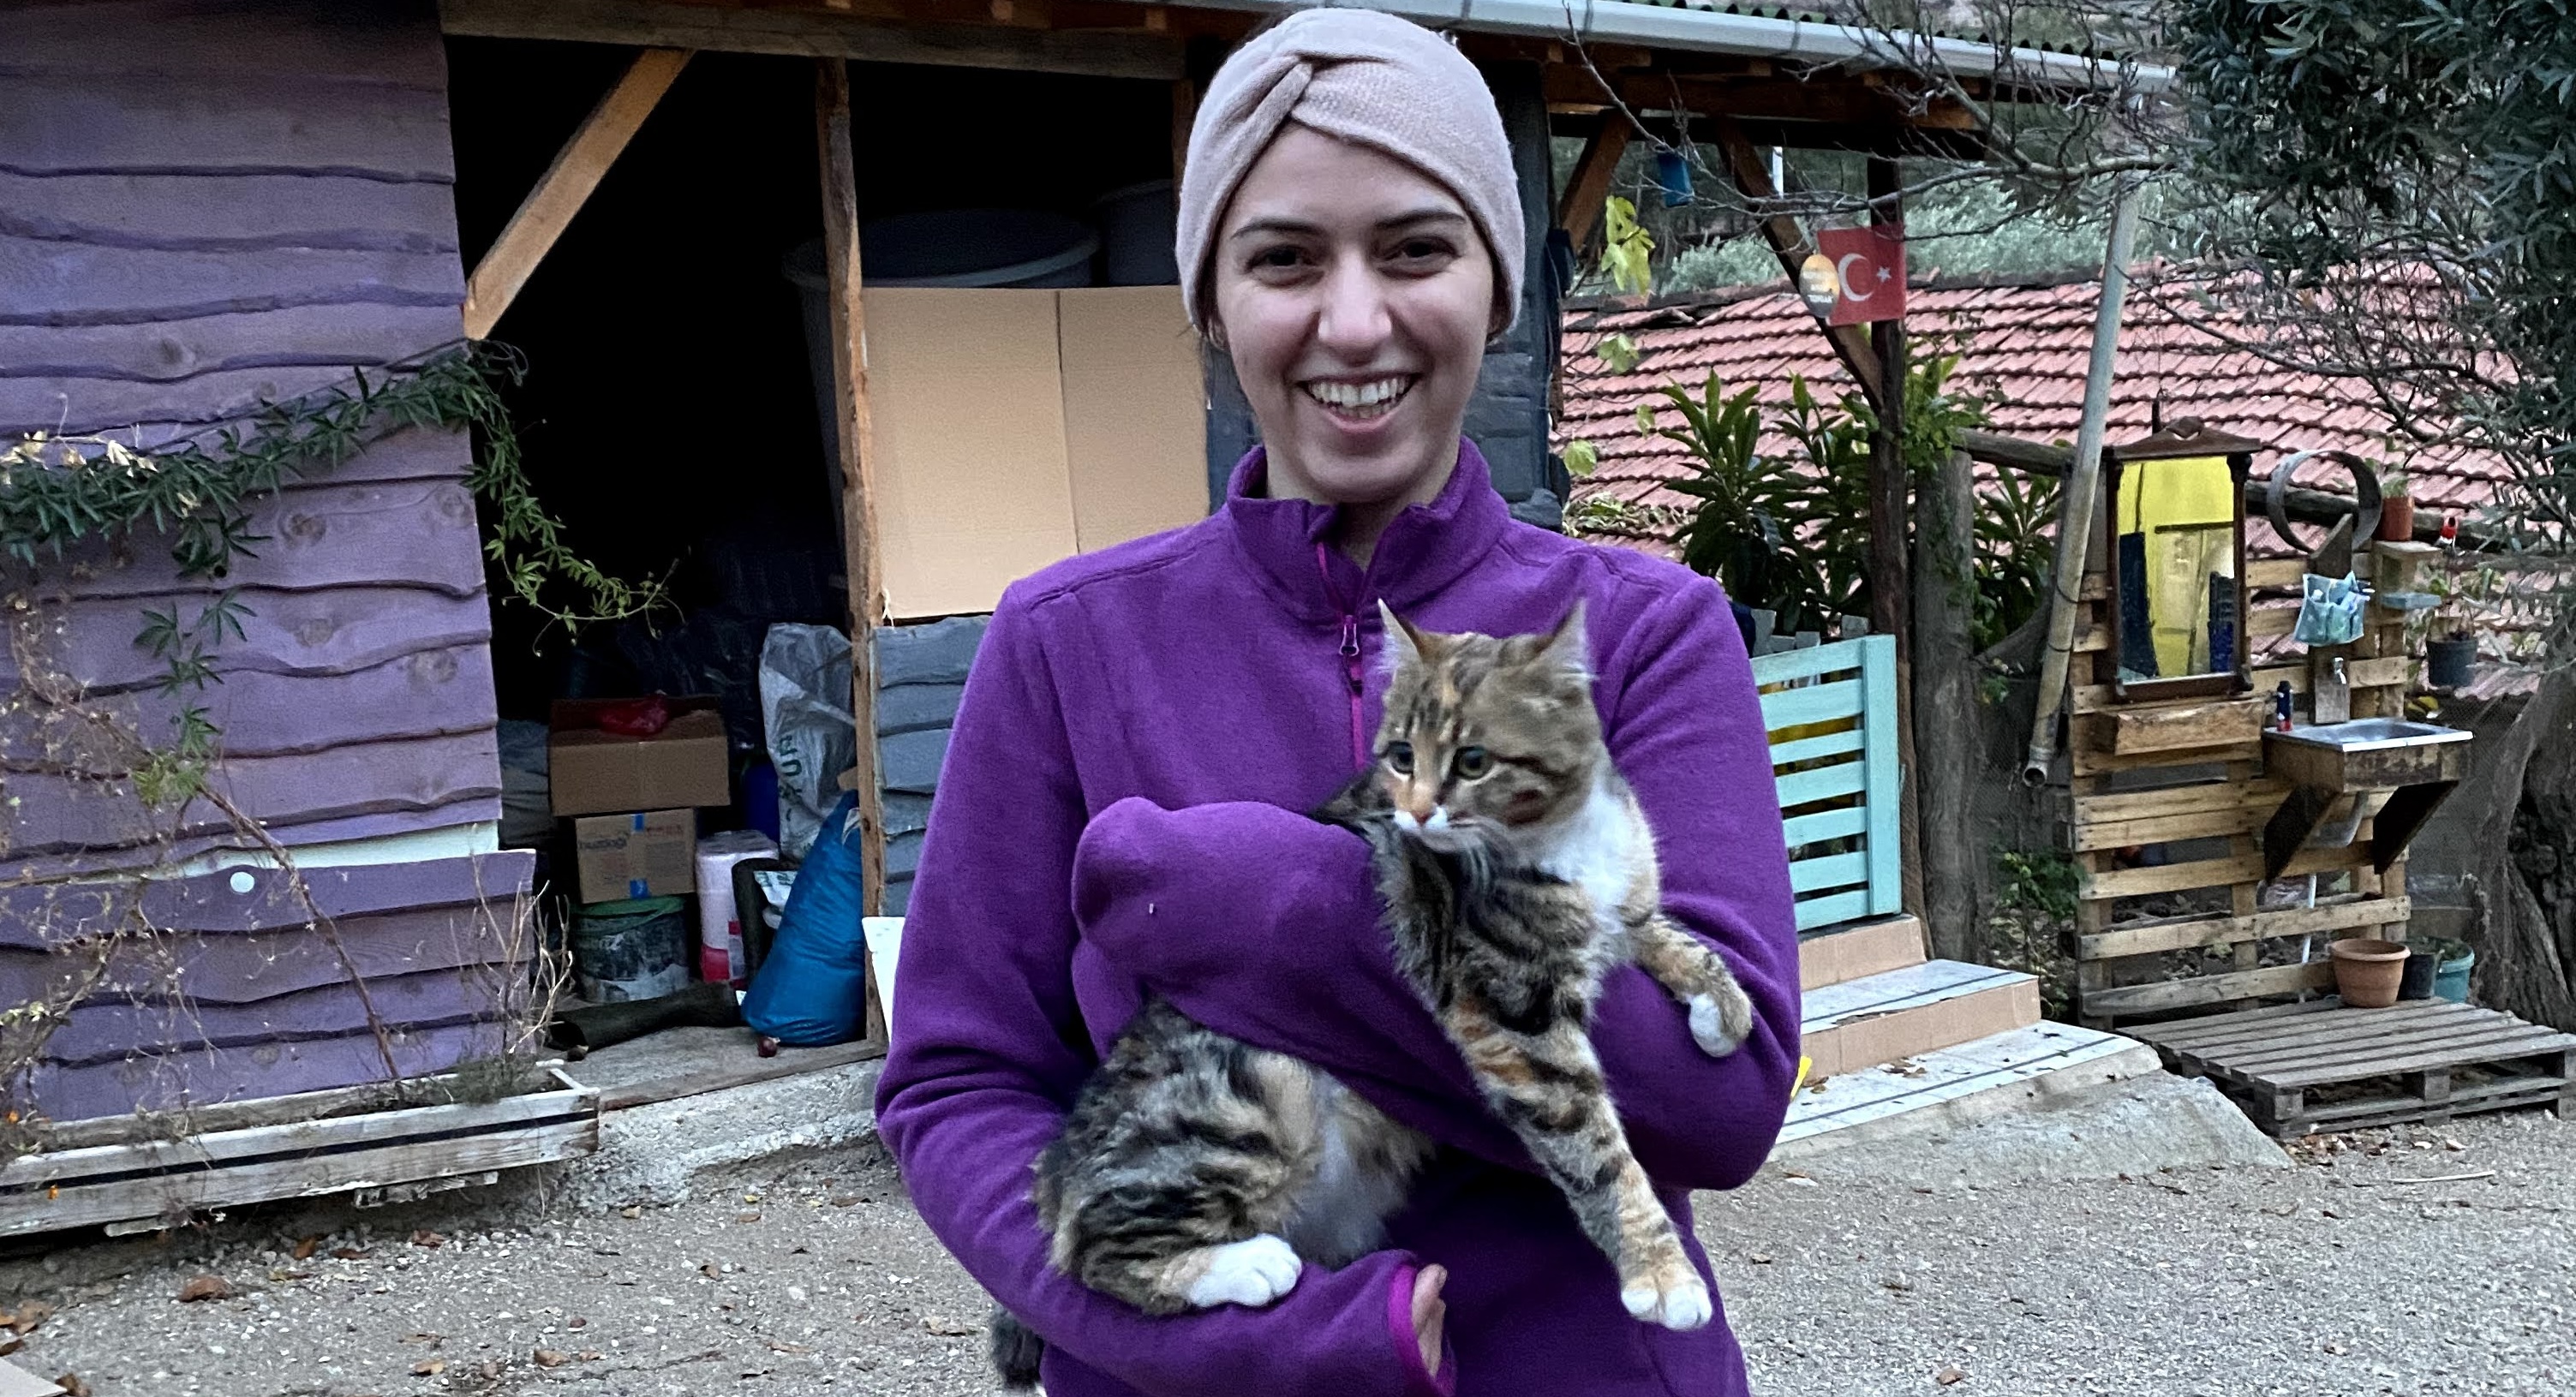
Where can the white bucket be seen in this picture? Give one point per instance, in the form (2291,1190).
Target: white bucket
(719,926)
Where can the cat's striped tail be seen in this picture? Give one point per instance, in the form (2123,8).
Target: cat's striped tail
(1016,1350)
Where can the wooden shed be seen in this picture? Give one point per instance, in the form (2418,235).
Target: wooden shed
(209,206)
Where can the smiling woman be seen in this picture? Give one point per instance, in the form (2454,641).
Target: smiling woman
(1355,296)
(1121,835)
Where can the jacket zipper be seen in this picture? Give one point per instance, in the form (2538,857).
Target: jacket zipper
(1350,653)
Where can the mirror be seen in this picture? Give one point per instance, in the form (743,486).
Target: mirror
(2175,558)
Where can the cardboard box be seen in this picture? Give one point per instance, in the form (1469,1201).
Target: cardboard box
(1014,428)
(650,853)
(590,772)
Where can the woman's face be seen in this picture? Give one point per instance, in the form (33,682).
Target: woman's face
(1355,298)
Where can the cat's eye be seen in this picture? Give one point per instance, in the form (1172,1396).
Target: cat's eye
(1400,756)
(1471,762)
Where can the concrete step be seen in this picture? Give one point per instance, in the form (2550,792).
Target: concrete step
(1834,955)
(1914,1009)
(2019,1069)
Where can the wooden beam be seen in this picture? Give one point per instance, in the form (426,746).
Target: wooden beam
(2298,502)
(820,34)
(1790,244)
(1580,210)
(1185,114)
(560,193)
(864,563)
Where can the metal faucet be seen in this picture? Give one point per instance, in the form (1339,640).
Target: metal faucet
(2330,691)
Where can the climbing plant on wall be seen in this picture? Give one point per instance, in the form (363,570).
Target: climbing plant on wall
(196,496)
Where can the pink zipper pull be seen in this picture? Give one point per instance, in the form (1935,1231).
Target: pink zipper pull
(1350,652)
(1351,666)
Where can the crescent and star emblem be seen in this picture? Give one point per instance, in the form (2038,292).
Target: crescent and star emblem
(1851,284)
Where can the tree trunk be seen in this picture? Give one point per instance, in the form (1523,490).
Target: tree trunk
(2523,888)
(1946,721)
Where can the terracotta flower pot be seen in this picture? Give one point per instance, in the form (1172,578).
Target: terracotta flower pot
(2367,971)
(2397,519)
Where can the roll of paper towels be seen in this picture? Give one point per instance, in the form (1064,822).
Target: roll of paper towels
(719,925)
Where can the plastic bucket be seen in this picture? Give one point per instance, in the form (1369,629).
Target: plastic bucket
(1138,225)
(2417,982)
(2451,980)
(638,948)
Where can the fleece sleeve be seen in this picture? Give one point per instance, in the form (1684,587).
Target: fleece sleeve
(1263,924)
(989,1050)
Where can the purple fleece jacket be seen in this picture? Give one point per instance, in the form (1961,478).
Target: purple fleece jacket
(1121,809)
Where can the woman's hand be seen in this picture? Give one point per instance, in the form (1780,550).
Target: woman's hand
(1429,1313)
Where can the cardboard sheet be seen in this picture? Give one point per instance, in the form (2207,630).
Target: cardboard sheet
(1014,428)
(968,419)
(1135,414)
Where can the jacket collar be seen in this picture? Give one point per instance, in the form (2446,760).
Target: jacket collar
(1424,548)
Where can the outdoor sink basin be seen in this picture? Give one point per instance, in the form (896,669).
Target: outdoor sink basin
(2389,770)
(2367,754)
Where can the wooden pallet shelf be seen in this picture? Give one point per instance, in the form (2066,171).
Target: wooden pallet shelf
(2301,1068)
(2169,801)
(124,1172)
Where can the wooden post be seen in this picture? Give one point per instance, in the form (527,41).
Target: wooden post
(1185,114)
(1947,727)
(1889,549)
(1580,210)
(858,495)
(565,186)
(1887,481)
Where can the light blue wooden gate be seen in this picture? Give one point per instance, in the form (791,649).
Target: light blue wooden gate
(1831,714)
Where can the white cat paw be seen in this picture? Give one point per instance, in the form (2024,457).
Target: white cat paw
(1254,1271)
(1683,1304)
(1720,1029)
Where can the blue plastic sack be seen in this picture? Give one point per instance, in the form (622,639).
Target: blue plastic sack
(812,988)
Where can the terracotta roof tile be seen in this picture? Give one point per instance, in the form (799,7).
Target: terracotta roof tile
(2025,348)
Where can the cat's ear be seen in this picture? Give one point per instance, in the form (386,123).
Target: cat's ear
(1405,646)
(1567,647)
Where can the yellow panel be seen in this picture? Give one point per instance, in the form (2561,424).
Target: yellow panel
(2187,510)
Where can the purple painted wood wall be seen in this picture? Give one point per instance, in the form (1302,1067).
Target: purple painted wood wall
(204,205)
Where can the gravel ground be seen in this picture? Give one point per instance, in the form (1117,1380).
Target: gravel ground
(2337,1277)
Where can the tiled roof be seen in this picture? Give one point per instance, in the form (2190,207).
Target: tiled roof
(2024,347)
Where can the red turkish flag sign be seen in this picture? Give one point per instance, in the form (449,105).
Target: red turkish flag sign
(1869,268)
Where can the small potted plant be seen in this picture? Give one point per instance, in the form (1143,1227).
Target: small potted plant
(2454,642)
(2396,508)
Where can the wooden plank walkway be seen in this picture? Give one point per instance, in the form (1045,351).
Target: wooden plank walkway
(2301,1068)
(1951,1087)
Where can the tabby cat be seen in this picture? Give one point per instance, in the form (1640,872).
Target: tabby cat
(1196,1170)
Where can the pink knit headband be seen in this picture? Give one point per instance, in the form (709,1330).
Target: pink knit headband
(1369,78)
